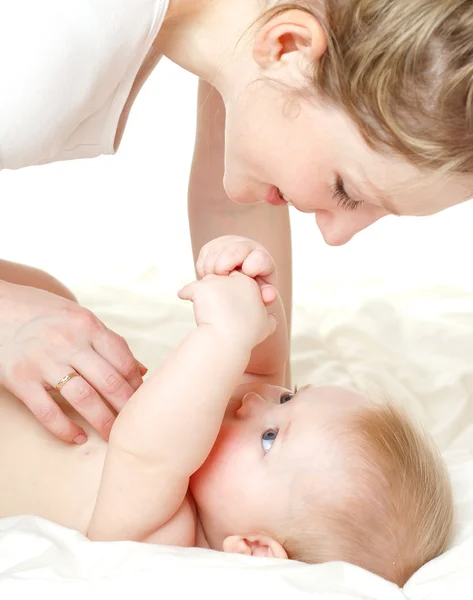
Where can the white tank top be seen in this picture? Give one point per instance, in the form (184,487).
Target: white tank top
(66,71)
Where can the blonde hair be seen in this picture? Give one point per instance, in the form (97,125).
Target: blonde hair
(392,513)
(403,72)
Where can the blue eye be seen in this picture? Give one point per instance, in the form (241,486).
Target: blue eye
(286,397)
(268,439)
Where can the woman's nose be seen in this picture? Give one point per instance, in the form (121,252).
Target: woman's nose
(250,404)
(339,226)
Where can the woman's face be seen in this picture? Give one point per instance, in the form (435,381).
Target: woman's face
(280,146)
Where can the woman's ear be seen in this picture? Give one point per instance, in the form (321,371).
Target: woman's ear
(293,39)
(254,545)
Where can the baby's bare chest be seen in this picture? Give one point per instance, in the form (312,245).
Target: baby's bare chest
(41,475)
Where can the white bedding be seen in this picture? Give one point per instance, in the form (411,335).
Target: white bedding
(395,307)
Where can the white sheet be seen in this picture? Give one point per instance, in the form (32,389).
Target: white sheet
(394,307)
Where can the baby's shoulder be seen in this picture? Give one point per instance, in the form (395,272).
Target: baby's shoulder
(180,530)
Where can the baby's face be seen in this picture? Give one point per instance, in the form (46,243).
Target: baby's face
(273,445)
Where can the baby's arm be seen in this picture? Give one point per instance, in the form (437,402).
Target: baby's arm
(167,429)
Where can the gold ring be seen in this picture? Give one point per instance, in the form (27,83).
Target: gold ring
(62,382)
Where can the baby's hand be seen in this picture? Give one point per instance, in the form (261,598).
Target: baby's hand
(232,305)
(231,252)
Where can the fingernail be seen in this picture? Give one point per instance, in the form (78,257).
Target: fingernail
(80,439)
(143,368)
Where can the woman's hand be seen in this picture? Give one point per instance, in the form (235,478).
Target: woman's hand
(43,339)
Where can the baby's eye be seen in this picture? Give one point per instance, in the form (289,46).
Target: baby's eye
(268,439)
(286,397)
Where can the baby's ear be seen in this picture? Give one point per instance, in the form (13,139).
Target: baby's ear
(254,545)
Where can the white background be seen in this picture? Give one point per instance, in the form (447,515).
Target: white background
(122,219)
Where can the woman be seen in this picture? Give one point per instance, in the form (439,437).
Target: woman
(328,104)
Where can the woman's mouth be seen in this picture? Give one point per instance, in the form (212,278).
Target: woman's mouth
(276,197)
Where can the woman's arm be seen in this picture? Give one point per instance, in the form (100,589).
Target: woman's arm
(30,276)
(212,214)
(269,360)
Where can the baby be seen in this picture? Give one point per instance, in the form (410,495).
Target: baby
(213,451)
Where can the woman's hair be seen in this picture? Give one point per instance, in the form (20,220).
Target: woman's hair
(403,71)
(390,511)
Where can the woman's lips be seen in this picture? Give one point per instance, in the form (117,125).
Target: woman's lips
(275,198)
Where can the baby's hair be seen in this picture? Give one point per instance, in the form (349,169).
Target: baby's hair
(392,513)
(402,71)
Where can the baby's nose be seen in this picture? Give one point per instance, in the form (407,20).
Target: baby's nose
(250,403)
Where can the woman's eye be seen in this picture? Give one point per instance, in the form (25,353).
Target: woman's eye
(268,439)
(286,397)
(342,198)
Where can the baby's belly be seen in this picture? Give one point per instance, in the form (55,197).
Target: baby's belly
(42,475)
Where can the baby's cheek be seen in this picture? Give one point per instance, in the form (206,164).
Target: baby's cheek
(229,451)
(224,468)
(217,460)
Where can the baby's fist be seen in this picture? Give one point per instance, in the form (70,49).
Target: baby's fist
(232,305)
(229,253)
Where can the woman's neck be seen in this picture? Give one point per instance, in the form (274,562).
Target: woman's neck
(205,38)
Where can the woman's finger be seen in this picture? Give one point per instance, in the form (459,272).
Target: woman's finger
(84,399)
(268,294)
(116,352)
(48,413)
(104,378)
